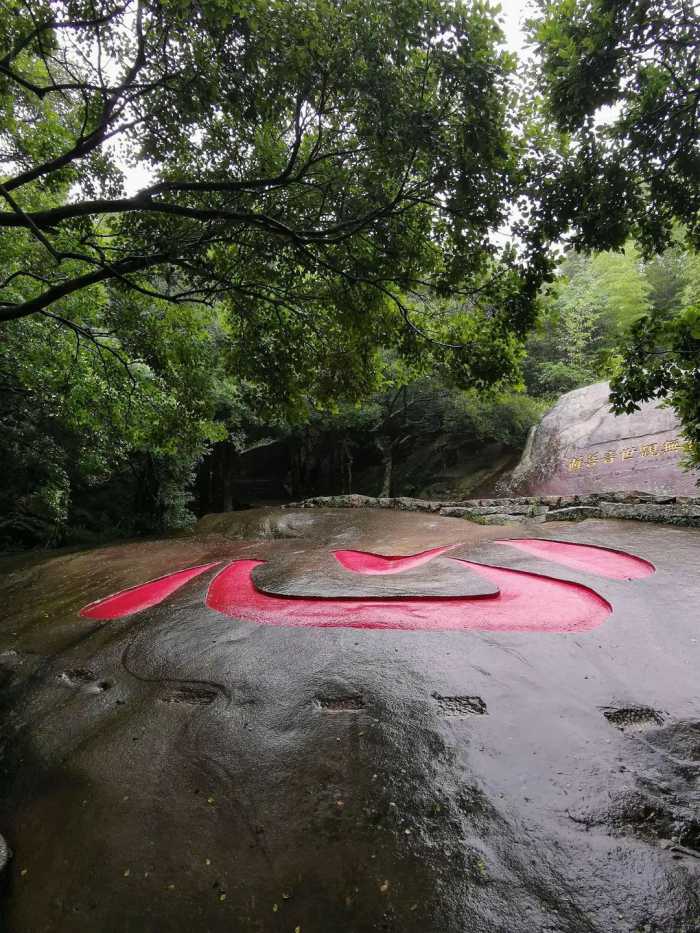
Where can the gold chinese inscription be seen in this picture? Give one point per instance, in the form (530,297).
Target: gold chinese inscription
(592,460)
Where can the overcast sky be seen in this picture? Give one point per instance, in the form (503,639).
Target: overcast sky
(514,12)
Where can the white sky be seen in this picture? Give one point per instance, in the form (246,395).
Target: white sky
(512,16)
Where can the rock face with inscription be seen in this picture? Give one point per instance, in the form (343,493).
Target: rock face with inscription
(580,447)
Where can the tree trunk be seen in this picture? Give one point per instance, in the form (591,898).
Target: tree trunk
(347,459)
(387,449)
(228,460)
(203,486)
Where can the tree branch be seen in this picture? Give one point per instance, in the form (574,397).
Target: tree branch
(56,292)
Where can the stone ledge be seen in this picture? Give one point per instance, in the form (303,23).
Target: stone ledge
(638,506)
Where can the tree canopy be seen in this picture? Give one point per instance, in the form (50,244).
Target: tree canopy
(621,81)
(635,172)
(321,185)
(305,157)
(219,215)
(585,317)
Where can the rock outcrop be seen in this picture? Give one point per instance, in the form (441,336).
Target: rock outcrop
(580,447)
(183,770)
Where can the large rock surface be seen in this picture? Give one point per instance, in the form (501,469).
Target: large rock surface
(180,771)
(580,447)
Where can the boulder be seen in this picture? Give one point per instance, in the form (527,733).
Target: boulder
(580,447)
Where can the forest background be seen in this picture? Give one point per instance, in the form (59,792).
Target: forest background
(127,405)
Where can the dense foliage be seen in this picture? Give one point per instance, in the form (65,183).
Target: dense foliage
(320,182)
(662,359)
(584,320)
(225,221)
(90,440)
(635,173)
(308,160)
(637,169)
(420,438)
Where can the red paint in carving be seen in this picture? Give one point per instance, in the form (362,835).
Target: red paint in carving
(605,562)
(527,602)
(364,562)
(138,598)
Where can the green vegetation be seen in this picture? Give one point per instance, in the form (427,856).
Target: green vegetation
(311,254)
(324,180)
(636,175)
(584,320)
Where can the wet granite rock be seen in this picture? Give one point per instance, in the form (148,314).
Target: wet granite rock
(580,447)
(233,776)
(322,573)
